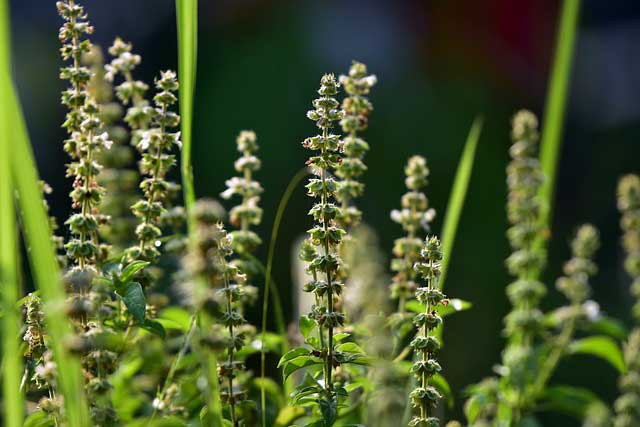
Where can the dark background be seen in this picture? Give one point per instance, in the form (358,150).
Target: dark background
(439,64)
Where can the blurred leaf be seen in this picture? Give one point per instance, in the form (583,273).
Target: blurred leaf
(133,298)
(602,347)
(39,419)
(37,233)
(350,347)
(13,401)
(554,112)
(289,414)
(177,316)
(187,22)
(458,196)
(611,327)
(441,384)
(569,400)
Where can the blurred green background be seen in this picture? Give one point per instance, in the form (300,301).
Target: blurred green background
(439,64)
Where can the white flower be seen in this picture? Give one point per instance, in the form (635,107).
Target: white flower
(145,141)
(370,80)
(592,310)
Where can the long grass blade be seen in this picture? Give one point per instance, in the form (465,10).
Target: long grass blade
(284,201)
(24,177)
(458,195)
(187,21)
(13,398)
(555,108)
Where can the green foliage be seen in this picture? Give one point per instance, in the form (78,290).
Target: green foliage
(458,195)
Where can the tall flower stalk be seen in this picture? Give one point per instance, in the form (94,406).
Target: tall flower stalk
(217,286)
(248,213)
(626,406)
(357,107)
(85,142)
(524,322)
(326,233)
(425,397)
(156,145)
(118,178)
(415,217)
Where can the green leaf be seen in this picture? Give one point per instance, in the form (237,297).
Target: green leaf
(306,325)
(13,401)
(187,21)
(176,316)
(611,327)
(340,336)
(329,411)
(554,112)
(271,290)
(441,384)
(154,327)
(458,196)
(298,363)
(133,298)
(292,354)
(289,414)
(38,419)
(602,347)
(37,233)
(350,347)
(130,270)
(573,401)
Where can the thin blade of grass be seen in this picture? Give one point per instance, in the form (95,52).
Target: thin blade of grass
(13,398)
(555,108)
(46,273)
(458,195)
(284,201)
(187,21)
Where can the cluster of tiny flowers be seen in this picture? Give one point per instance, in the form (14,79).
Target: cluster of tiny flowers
(524,178)
(320,250)
(248,213)
(85,142)
(425,397)
(217,287)
(156,145)
(356,108)
(130,92)
(415,218)
(574,285)
(117,177)
(626,406)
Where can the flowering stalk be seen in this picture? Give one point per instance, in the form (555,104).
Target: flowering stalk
(82,124)
(326,233)
(217,286)
(524,322)
(247,213)
(118,179)
(414,217)
(425,344)
(357,108)
(626,406)
(575,286)
(155,146)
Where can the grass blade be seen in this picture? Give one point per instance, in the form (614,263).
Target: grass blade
(187,21)
(555,108)
(267,286)
(37,236)
(458,195)
(13,400)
